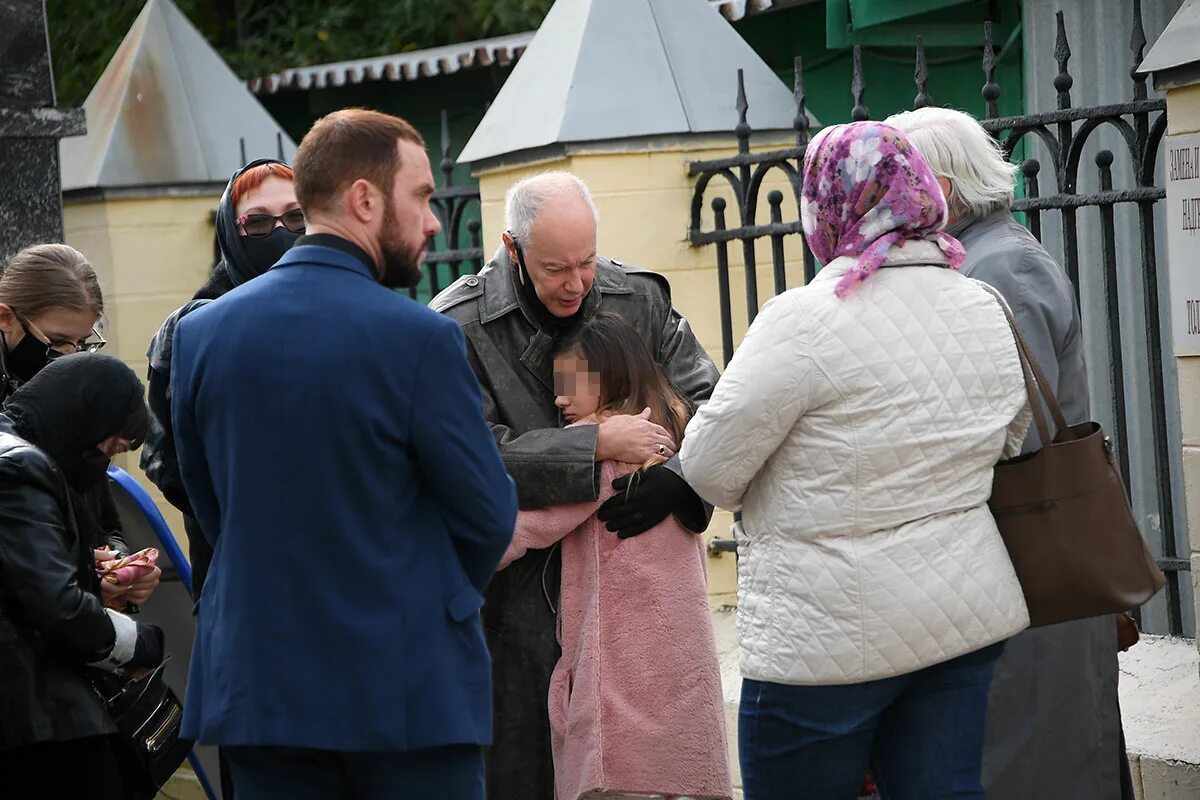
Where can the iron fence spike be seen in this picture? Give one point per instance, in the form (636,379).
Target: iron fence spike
(991,89)
(742,131)
(921,76)
(1062,54)
(447,164)
(800,122)
(1137,44)
(860,111)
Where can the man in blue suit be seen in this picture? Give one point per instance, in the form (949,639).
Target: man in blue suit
(332,443)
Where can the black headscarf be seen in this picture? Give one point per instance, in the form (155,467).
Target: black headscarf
(73,404)
(236,265)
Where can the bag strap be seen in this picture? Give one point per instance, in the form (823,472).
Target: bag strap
(1037,385)
(1032,394)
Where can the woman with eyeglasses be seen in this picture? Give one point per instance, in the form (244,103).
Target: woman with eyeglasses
(50,305)
(257,221)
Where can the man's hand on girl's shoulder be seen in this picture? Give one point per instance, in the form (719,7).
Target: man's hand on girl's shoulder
(633,439)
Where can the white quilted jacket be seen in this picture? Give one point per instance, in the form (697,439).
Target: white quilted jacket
(858,437)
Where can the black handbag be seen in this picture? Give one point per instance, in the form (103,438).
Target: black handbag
(148,716)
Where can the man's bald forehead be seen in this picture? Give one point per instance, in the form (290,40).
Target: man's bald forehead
(527,198)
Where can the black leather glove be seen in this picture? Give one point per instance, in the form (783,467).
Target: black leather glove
(657,492)
(148,652)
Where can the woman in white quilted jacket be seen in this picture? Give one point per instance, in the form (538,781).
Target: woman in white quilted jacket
(856,429)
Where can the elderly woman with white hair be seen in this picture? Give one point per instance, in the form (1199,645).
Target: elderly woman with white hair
(1054,728)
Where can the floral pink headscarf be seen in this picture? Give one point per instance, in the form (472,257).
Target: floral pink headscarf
(866,188)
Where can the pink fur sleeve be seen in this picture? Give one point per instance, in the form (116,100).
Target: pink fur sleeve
(543,527)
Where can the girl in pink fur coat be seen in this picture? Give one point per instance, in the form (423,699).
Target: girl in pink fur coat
(635,701)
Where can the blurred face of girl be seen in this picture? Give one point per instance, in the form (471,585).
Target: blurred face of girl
(577,387)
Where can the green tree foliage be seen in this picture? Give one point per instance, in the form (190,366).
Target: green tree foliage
(260,36)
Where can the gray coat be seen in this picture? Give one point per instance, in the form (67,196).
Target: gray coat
(513,360)
(1053,722)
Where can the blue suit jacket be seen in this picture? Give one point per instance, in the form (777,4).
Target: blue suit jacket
(332,442)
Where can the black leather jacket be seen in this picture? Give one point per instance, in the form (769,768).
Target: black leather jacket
(104,523)
(512,357)
(52,621)
(159,460)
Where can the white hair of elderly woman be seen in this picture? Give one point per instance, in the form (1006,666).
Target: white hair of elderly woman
(961,151)
(526,197)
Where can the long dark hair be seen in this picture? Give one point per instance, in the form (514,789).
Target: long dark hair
(630,378)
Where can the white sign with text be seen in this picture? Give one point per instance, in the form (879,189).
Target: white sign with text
(1183,240)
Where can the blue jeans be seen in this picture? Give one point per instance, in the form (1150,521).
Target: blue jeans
(920,735)
(273,773)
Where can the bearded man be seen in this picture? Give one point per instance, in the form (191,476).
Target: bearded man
(332,443)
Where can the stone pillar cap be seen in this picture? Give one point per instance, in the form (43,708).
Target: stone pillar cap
(602,70)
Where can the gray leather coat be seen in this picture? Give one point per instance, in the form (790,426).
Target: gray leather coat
(1053,725)
(513,359)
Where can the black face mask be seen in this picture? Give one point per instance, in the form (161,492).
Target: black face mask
(264,251)
(26,359)
(86,470)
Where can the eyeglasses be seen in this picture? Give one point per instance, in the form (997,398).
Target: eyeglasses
(56,349)
(262,224)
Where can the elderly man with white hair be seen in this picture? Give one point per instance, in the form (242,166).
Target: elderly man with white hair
(1054,727)
(546,277)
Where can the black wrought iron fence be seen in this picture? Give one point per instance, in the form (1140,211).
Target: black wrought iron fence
(1063,134)
(458,249)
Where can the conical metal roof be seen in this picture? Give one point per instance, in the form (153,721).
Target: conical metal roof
(168,111)
(615,69)
(1176,47)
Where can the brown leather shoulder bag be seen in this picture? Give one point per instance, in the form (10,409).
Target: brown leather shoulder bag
(1065,517)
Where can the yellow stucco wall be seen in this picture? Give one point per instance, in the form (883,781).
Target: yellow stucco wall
(644,200)
(1183,116)
(151,254)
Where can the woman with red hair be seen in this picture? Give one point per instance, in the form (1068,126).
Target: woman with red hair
(257,221)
